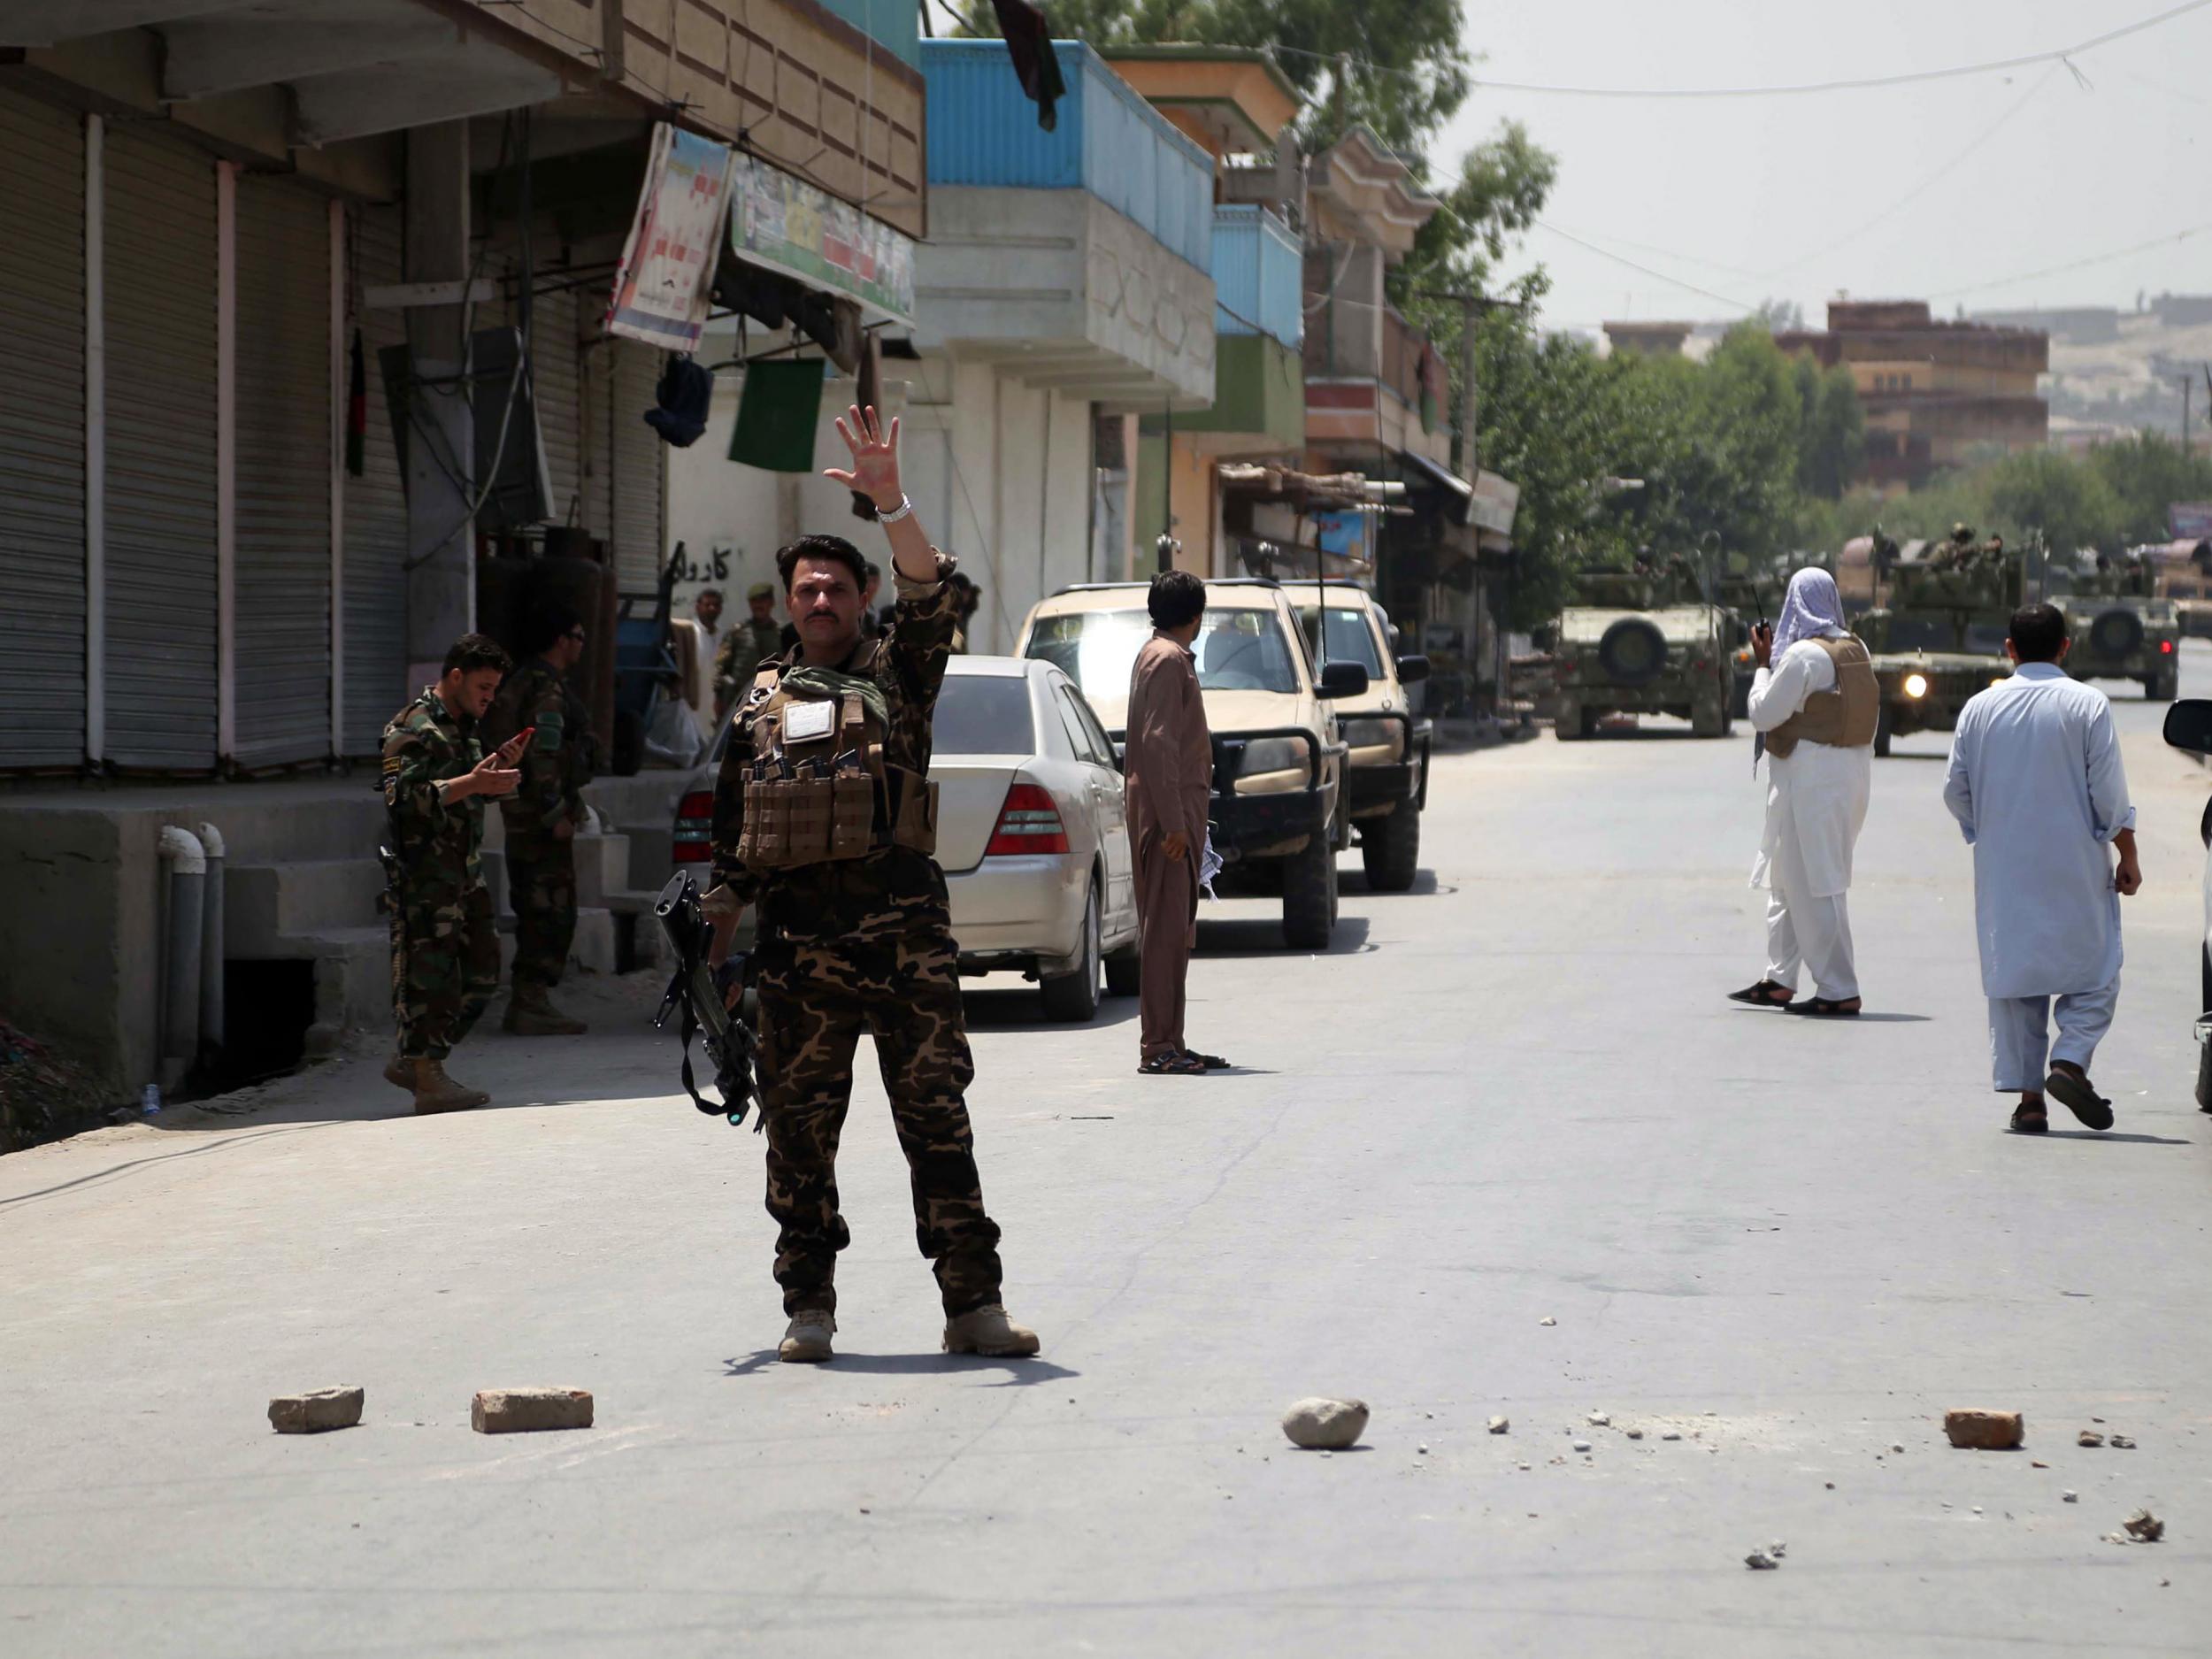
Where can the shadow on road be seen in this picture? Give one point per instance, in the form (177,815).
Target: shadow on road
(1863,1018)
(1265,939)
(1425,885)
(1020,1005)
(1021,1373)
(2109,1135)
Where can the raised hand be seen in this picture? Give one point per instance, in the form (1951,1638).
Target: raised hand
(875,468)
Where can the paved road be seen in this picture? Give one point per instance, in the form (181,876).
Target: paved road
(1511,1097)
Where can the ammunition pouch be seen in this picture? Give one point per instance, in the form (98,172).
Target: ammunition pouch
(819,789)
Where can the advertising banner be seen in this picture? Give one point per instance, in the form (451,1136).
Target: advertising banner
(662,289)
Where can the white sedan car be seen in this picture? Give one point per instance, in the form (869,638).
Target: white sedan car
(1031,831)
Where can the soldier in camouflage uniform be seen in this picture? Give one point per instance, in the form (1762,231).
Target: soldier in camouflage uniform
(746,647)
(857,937)
(445,953)
(542,816)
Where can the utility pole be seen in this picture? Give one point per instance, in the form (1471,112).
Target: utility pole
(2188,386)
(1469,407)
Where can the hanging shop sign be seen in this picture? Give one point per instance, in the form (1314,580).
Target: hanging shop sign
(661,291)
(790,226)
(1496,502)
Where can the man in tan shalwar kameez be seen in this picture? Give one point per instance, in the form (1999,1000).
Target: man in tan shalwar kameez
(1169,769)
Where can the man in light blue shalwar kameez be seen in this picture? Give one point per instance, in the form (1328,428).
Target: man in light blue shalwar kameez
(2037,786)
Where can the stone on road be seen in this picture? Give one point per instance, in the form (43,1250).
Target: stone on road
(527,1410)
(1516,1092)
(1320,1424)
(315,1411)
(1983,1431)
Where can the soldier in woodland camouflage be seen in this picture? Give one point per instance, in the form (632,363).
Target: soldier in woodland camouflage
(544,814)
(825,819)
(445,953)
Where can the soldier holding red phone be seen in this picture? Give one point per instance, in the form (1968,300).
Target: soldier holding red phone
(445,949)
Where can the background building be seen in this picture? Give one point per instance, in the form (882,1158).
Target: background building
(1937,395)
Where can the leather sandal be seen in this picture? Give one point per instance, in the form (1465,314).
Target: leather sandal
(2074,1092)
(1822,1008)
(1172,1065)
(1211,1062)
(1766,993)
(2029,1120)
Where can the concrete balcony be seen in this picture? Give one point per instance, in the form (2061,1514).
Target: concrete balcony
(1078,259)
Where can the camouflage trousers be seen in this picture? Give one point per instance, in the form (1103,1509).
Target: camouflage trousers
(869,947)
(542,891)
(445,966)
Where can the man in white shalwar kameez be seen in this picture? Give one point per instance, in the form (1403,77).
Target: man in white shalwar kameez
(2037,786)
(1814,702)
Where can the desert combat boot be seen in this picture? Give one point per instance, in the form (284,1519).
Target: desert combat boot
(435,1091)
(531,1013)
(807,1342)
(987,1331)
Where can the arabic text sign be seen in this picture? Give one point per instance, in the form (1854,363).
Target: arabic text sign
(662,290)
(2190,520)
(789,224)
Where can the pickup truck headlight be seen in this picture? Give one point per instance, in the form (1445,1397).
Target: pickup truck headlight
(1915,685)
(1367,732)
(1275,766)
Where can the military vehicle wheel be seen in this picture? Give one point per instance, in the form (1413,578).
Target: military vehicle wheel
(1567,726)
(2116,633)
(1309,895)
(1390,850)
(1632,652)
(2163,688)
(1709,719)
(1881,733)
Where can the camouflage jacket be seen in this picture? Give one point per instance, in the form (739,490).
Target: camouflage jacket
(562,758)
(438,844)
(908,665)
(743,649)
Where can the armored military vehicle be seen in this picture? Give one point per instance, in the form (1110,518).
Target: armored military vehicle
(1643,641)
(1937,630)
(2121,629)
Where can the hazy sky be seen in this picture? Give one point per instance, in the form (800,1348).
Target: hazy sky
(2008,174)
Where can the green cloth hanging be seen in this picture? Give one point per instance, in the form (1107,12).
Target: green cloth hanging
(778,415)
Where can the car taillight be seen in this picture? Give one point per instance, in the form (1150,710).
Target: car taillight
(2166,648)
(695,828)
(1028,823)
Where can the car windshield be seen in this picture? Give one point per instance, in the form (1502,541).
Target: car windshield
(984,714)
(1237,651)
(1987,638)
(1350,638)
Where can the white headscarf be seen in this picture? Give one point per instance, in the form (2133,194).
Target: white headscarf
(1813,610)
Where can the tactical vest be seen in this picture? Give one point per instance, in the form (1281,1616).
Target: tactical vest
(819,788)
(1842,719)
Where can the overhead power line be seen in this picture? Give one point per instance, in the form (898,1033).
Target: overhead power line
(2166,240)
(1662,276)
(1915,77)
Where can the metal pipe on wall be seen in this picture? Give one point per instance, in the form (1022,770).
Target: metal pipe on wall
(211,1011)
(186,865)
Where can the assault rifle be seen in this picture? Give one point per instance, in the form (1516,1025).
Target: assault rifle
(700,992)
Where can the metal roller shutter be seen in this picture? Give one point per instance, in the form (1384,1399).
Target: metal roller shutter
(159,281)
(282,535)
(559,387)
(639,470)
(376,513)
(41,437)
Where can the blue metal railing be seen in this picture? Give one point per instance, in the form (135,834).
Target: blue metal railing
(1258,276)
(983,131)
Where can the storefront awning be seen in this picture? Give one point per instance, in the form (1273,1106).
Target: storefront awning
(1459,494)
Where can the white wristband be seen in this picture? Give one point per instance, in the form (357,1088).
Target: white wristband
(904,508)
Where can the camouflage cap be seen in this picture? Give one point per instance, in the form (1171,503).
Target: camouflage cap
(759,590)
